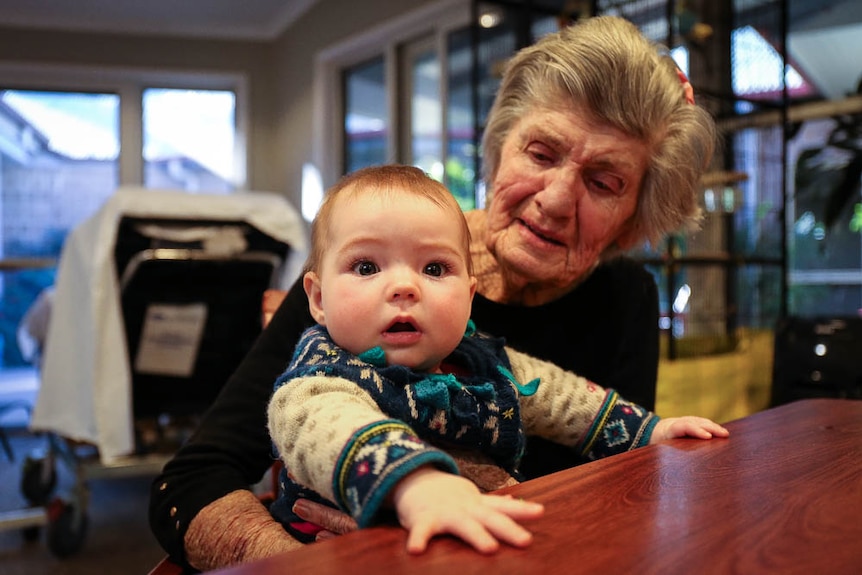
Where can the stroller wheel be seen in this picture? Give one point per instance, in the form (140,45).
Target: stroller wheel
(67,527)
(38,480)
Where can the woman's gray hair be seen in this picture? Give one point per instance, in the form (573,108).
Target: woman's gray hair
(604,66)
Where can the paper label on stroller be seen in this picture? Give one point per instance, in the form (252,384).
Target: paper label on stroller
(170,338)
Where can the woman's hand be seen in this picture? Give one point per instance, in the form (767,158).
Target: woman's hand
(430,502)
(687,426)
(333,521)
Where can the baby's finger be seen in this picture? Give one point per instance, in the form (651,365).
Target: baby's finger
(469,530)
(699,432)
(418,537)
(705,428)
(476,534)
(505,529)
(515,508)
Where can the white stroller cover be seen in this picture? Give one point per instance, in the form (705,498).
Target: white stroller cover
(85,391)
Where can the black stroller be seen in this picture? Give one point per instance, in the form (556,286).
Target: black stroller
(158,298)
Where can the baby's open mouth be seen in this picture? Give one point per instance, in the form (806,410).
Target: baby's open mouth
(400,326)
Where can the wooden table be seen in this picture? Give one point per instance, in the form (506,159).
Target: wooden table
(782,495)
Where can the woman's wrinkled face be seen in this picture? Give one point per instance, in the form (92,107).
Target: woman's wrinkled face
(566,188)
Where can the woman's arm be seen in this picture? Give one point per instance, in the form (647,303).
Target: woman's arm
(234,529)
(230,449)
(633,368)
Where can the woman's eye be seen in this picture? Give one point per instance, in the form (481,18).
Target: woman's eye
(607,185)
(435,269)
(541,153)
(365,268)
(601,185)
(540,157)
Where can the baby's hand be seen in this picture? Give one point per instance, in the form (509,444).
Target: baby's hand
(430,502)
(688,426)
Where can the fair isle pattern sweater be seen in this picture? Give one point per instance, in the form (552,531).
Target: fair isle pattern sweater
(349,428)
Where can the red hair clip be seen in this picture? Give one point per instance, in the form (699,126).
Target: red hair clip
(686,86)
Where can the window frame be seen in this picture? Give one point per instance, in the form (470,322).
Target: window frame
(129,84)
(436,19)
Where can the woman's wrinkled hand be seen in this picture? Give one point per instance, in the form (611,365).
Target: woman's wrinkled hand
(333,521)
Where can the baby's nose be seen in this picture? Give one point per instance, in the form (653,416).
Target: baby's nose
(405,287)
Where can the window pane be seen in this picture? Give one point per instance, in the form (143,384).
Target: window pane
(366,120)
(189,140)
(460,176)
(425,112)
(825,235)
(758,68)
(58,162)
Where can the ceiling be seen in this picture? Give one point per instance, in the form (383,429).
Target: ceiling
(823,32)
(226,19)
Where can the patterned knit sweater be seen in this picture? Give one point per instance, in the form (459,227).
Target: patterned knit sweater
(349,428)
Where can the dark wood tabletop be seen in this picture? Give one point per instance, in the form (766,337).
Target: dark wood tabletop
(782,495)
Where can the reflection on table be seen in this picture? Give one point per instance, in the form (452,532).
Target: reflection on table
(782,495)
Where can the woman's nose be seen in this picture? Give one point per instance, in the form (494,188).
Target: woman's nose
(560,194)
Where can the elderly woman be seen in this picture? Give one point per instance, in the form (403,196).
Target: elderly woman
(592,147)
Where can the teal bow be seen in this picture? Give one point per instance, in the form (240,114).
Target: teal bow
(437,390)
(375,356)
(525,390)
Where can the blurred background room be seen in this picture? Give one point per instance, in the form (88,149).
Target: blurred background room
(117,118)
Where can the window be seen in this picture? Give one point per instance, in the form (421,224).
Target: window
(461,163)
(69,137)
(825,228)
(424,116)
(59,159)
(189,139)
(407,95)
(366,116)
(400,93)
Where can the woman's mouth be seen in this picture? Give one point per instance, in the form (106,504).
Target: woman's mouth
(541,235)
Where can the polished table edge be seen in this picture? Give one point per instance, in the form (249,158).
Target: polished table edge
(810,417)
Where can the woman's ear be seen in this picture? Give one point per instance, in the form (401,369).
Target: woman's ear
(311,285)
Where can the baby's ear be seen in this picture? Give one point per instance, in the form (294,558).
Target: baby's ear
(311,285)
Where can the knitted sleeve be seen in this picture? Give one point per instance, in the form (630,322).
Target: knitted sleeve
(573,411)
(334,439)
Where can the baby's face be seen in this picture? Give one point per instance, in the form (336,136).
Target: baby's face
(395,276)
